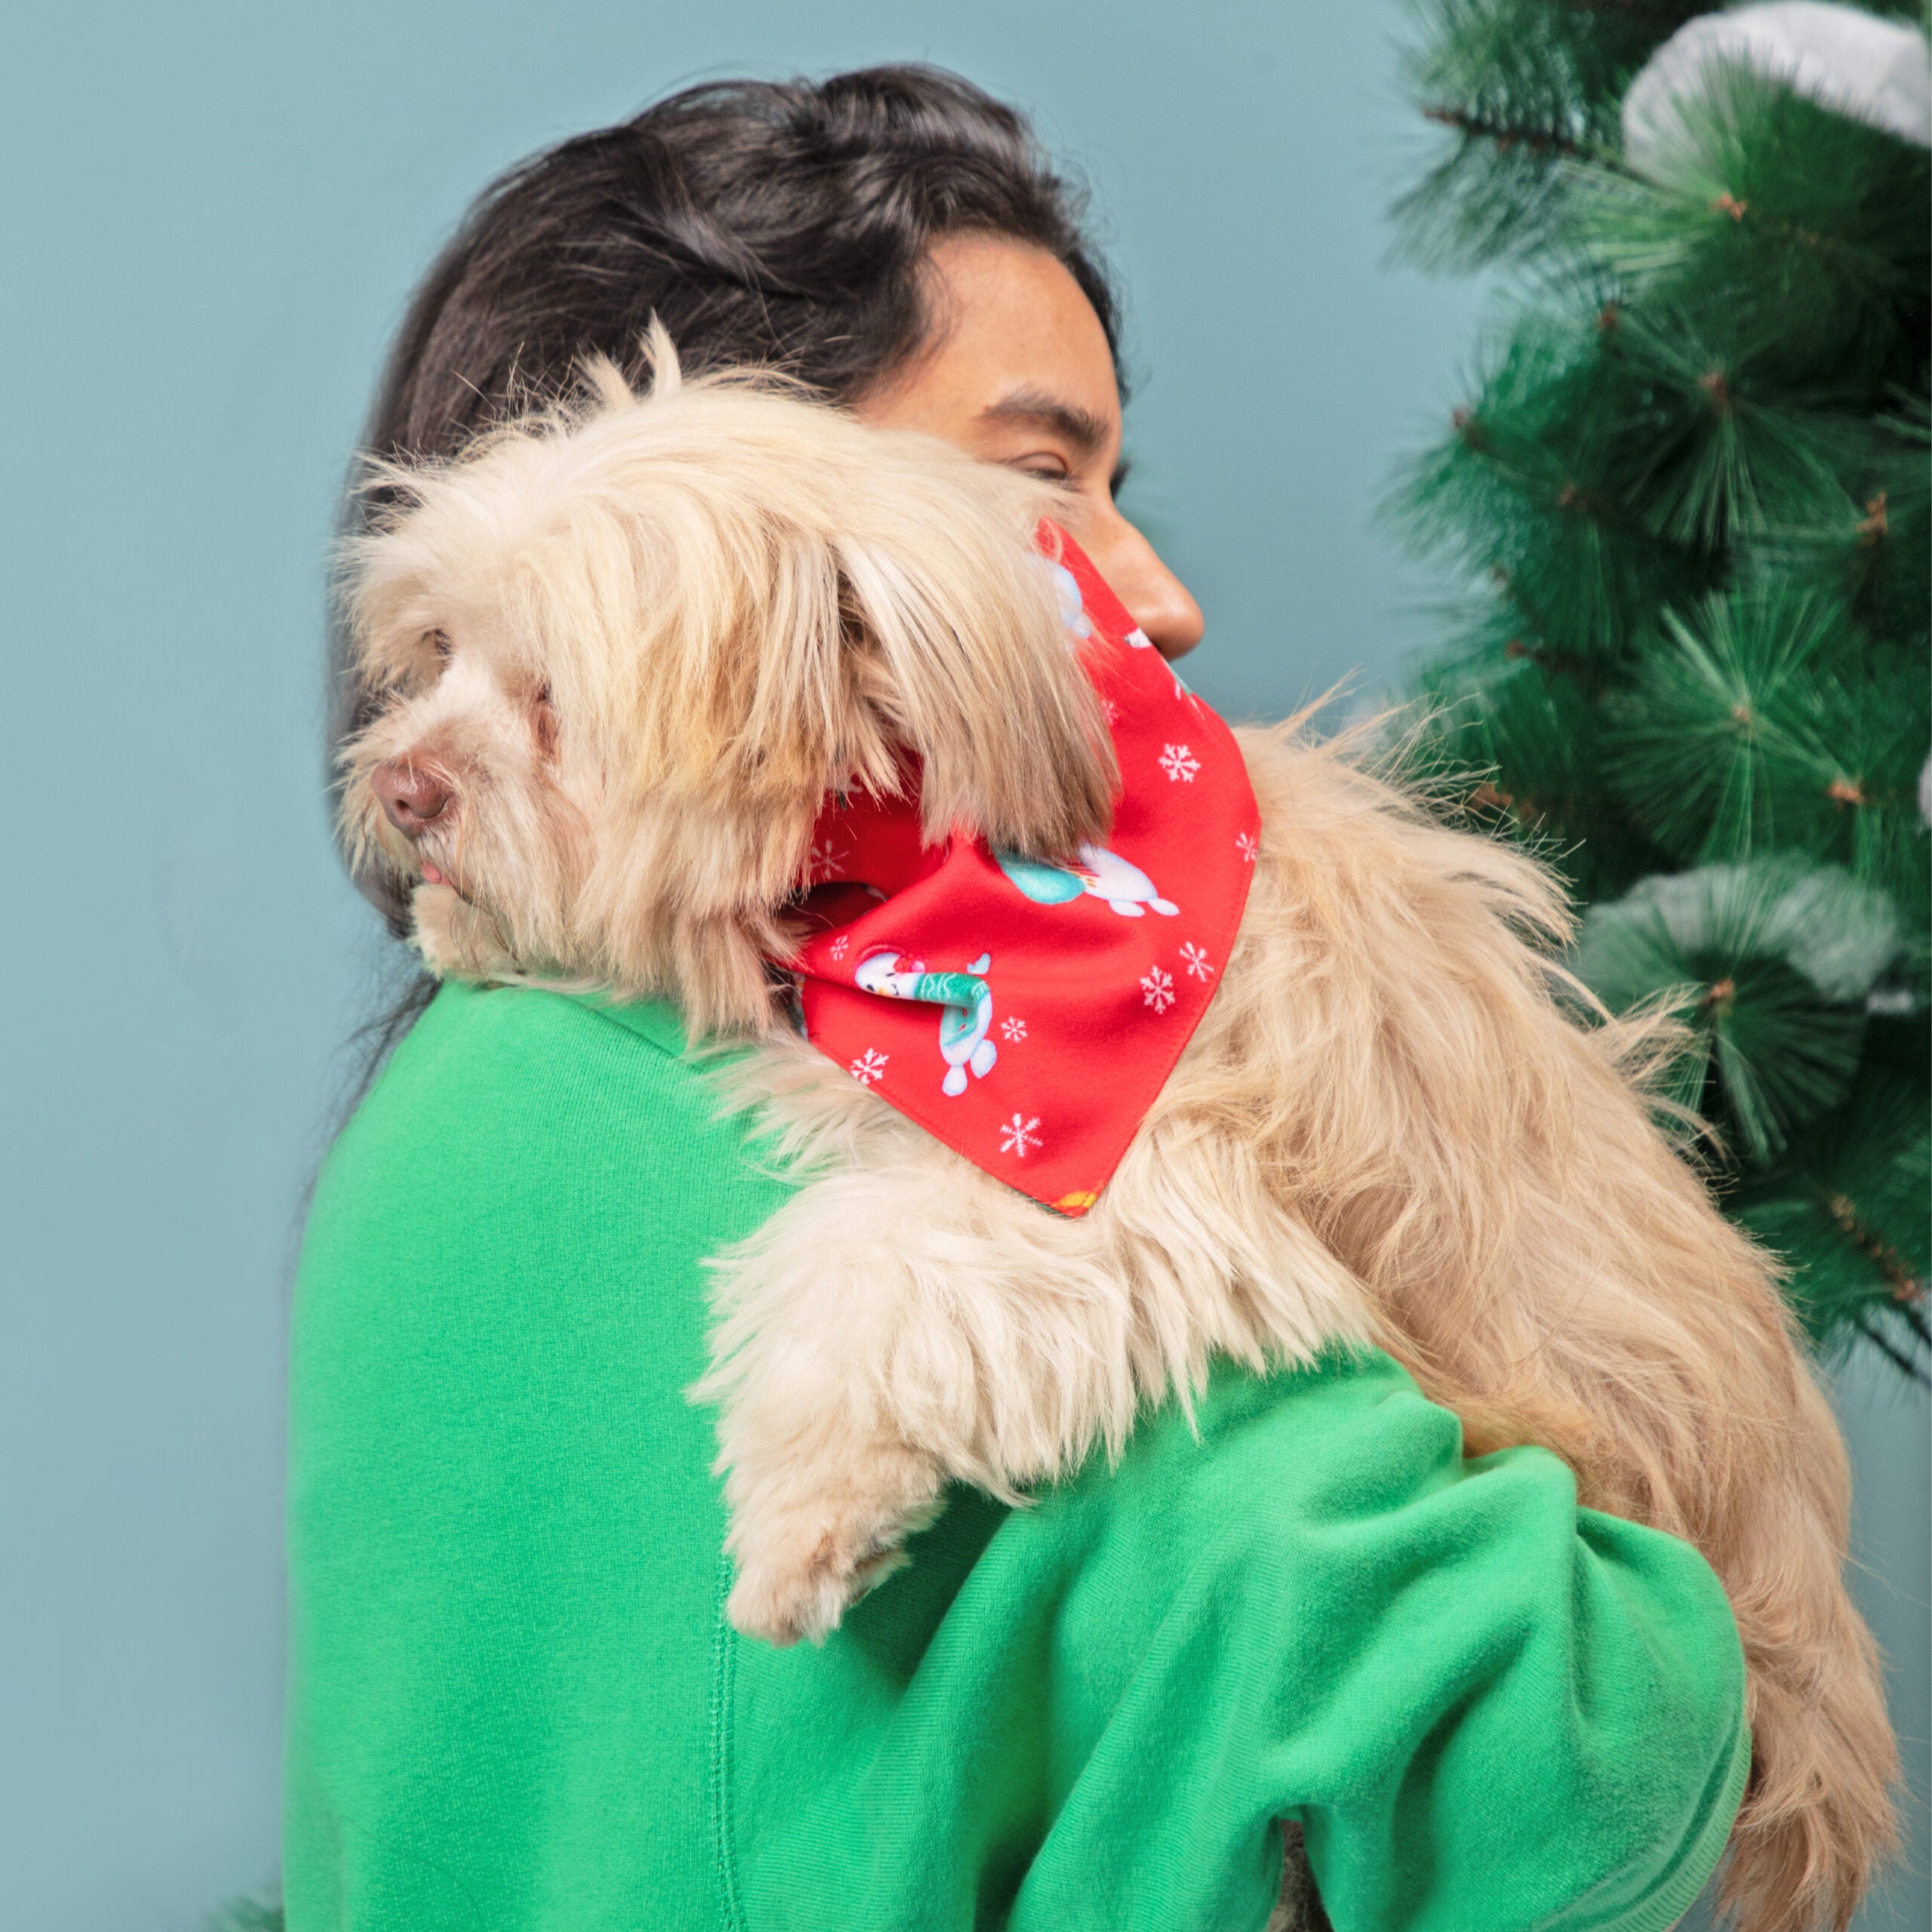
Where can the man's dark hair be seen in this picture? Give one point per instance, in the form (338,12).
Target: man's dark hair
(779,223)
(784,224)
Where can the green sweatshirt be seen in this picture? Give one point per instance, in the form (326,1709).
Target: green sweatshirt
(515,1704)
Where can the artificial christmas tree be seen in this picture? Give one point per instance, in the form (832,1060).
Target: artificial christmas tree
(1695,474)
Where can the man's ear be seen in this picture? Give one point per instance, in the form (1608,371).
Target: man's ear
(961,657)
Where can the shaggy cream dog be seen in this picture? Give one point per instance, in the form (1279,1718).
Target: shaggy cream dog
(627,650)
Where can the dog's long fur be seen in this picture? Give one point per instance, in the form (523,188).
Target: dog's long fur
(640,641)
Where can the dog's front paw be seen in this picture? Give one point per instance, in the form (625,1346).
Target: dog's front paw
(803,1561)
(803,1587)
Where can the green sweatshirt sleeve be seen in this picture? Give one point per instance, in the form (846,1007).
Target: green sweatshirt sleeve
(1543,1725)
(1487,1707)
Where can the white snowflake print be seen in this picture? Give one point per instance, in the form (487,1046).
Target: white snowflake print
(1157,989)
(1111,709)
(1012,1029)
(870,1065)
(1137,639)
(827,860)
(1178,762)
(1248,845)
(839,945)
(1020,1137)
(1199,966)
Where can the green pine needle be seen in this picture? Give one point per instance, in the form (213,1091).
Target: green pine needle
(1846,1210)
(1538,484)
(1521,86)
(1769,964)
(1728,454)
(1723,705)
(1794,238)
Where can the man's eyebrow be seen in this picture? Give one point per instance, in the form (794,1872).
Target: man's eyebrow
(1087,432)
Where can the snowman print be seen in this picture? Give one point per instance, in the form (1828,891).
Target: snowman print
(967,1009)
(1099,873)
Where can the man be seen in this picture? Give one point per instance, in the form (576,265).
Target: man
(515,1702)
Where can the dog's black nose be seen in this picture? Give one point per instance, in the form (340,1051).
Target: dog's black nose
(410,795)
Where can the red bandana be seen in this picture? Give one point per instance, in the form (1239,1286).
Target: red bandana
(1025,1014)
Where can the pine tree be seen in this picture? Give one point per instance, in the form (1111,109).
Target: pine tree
(1693,480)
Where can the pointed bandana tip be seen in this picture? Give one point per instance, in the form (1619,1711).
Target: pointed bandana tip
(1027,1014)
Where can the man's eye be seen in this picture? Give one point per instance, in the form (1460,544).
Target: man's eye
(1048,470)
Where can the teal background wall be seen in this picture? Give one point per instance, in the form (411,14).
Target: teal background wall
(213,212)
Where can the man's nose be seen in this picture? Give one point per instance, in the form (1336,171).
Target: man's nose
(1155,598)
(411,796)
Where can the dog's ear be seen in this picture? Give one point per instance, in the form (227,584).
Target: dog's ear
(960,655)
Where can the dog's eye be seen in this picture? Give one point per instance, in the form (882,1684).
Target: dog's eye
(439,642)
(543,721)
